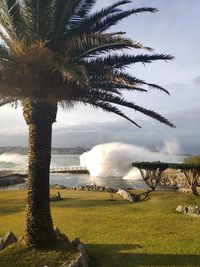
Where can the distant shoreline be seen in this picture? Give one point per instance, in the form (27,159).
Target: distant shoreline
(54,151)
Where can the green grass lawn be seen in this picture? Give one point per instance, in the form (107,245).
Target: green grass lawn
(117,233)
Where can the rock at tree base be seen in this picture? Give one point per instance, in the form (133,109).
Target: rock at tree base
(82,260)
(76,242)
(9,239)
(1,243)
(126,195)
(57,231)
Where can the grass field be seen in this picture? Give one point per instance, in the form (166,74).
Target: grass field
(117,233)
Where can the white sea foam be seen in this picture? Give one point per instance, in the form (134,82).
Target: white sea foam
(13,158)
(115,159)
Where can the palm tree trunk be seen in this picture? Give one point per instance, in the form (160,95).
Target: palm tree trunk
(39,116)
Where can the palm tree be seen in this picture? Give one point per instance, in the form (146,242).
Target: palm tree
(55,52)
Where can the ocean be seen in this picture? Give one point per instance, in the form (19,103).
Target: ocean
(18,162)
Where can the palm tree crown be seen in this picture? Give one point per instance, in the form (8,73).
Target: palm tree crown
(58,51)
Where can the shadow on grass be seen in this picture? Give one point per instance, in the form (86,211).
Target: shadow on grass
(11,206)
(123,255)
(79,203)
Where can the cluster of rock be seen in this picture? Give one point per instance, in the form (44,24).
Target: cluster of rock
(189,210)
(82,259)
(175,179)
(7,179)
(7,240)
(94,188)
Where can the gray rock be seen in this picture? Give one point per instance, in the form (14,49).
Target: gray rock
(64,238)
(83,259)
(73,263)
(57,231)
(126,195)
(81,248)
(1,243)
(179,209)
(76,242)
(9,239)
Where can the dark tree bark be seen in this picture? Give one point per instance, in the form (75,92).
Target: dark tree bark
(39,116)
(192,177)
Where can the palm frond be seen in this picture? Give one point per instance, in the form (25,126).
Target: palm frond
(81,12)
(127,78)
(113,19)
(84,26)
(64,12)
(7,100)
(6,20)
(15,13)
(110,98)
(107,107)
(109,86)
(56,49)
(38,18)
(92,45)
(122,61)
(73,73)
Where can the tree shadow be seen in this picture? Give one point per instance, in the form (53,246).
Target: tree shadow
(123,255)
(80,203)
(10,206)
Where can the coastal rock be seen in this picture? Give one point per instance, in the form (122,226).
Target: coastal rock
(9,239)
(179,208)
(175,179)
(125,194)
(93,188)
(189,210)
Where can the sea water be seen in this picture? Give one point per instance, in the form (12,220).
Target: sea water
(18,162)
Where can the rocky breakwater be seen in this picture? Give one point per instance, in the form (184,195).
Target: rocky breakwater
(9,178)
(93,188)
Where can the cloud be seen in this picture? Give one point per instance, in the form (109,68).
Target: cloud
(197,81)
(153,134)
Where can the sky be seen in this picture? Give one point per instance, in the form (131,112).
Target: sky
(173,30)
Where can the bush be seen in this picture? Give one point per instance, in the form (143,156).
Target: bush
(192,159)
